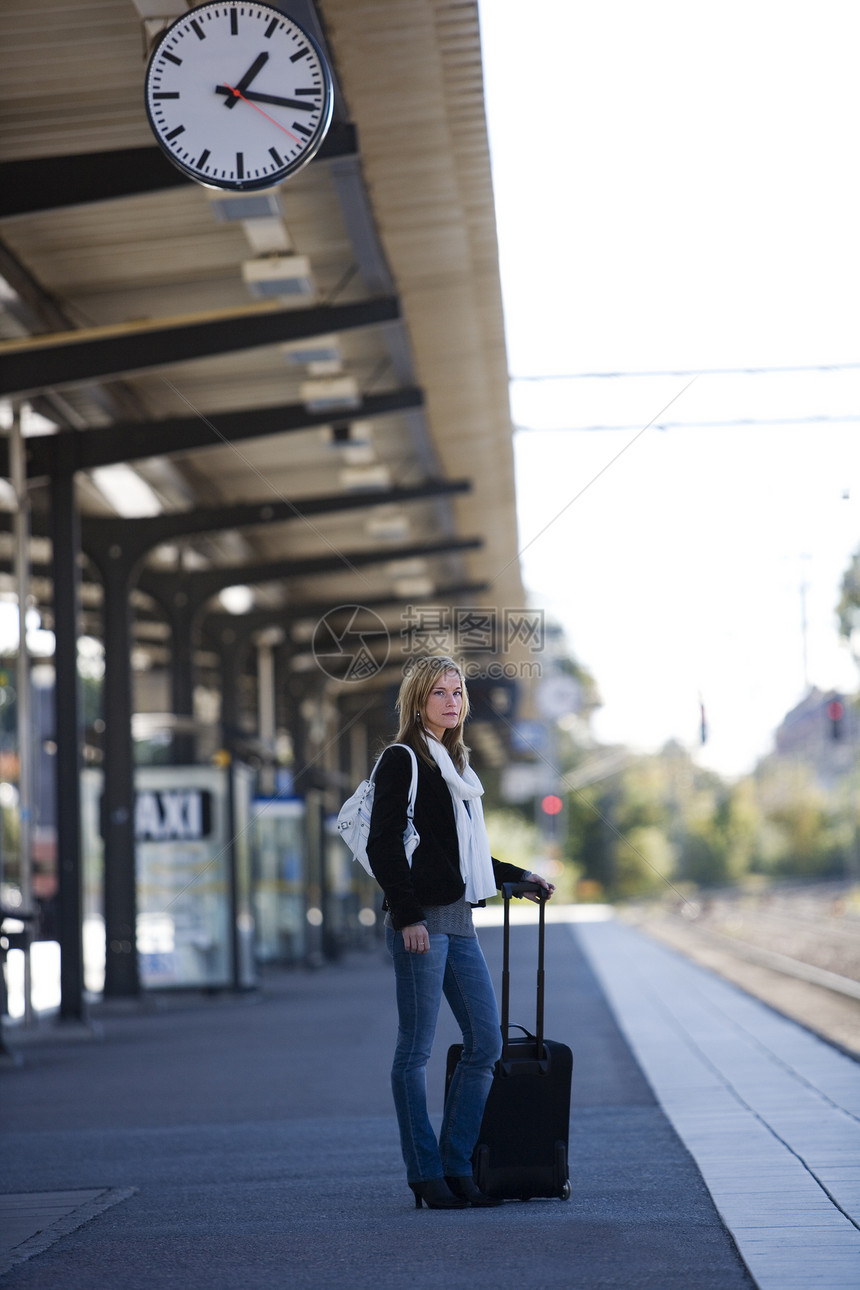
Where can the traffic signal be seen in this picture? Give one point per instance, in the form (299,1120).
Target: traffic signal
(835,715)
(551,804)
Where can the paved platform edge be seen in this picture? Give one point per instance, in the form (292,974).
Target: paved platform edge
(692,1035)
(75,1217)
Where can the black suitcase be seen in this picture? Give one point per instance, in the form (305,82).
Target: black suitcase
(523,1144)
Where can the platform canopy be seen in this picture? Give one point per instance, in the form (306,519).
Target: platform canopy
(128,320)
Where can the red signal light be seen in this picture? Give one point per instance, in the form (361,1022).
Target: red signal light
(551,805)
(835,710)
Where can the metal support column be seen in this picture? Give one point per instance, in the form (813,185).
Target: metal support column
(266,704)
(181,616)
(65,539)
(230,649)
(122,978)
(25,725)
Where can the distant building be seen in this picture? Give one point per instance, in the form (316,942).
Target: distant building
(822,732)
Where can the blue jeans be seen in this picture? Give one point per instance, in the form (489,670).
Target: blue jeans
(455,967)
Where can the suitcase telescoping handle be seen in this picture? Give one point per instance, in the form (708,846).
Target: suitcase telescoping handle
(510,889)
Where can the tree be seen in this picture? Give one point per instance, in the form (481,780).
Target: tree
(848,608)
(803,834)
(660,821)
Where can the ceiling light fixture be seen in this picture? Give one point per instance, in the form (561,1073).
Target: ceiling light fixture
(414,588)
(413,568)
(238,599)
(365,478)
(348,434)
(266,236)
(288,276)
(352,440)
(322,349)
(389,527)
(229,207)
(330,393)
(359,454)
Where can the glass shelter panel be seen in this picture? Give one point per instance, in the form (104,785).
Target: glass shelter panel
(279,890)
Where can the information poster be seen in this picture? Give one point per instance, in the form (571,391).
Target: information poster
(184,901)
(184,892)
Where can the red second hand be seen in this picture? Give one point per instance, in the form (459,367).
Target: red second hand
(240,95)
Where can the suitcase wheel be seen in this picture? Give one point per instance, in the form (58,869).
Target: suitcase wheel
(561,1171)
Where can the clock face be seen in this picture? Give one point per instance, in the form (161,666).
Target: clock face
(238,95)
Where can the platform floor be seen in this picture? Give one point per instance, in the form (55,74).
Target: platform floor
(250,1141)
(770,1112)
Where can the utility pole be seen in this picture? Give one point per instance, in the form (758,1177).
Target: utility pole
(804,629)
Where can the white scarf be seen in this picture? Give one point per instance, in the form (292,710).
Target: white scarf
(476,866)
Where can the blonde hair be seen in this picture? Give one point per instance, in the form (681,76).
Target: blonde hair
(419,679)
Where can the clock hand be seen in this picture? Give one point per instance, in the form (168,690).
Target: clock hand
(252,98)
(258,63)
(260,110)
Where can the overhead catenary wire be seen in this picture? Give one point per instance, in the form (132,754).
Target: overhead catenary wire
(720,423)
(706,371)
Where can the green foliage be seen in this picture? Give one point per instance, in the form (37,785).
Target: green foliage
(808,834)
(512,838)
(588,837)
(848,608)
(11,843)
(518,841)
(643,859)
(661,821)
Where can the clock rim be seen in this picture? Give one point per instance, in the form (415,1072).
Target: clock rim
(292,167)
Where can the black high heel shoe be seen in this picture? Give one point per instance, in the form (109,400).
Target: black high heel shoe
(470,1193)
(436,1194)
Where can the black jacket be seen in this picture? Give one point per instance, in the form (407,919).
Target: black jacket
(434,878)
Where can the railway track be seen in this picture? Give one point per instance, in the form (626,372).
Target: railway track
(797,949)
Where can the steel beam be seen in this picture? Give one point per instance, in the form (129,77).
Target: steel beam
(119,544)
(183,595)
(230,634)
(217,622)
(137,440)
(141,535)
(37,310)
(199,585)
(135,537)
(50,183)
(73,358)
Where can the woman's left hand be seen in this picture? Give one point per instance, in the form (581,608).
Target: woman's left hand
(535,877)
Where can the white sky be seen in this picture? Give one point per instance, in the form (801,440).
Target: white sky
(678,189)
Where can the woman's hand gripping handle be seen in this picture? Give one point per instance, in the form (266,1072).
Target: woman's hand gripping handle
(530,887)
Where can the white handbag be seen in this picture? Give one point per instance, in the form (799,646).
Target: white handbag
(353,821)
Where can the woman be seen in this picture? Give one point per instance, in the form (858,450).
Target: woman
(429,928)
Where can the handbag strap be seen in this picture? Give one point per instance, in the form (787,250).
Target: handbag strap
(413,787)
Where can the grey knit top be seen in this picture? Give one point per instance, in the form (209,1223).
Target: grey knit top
(451,920)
